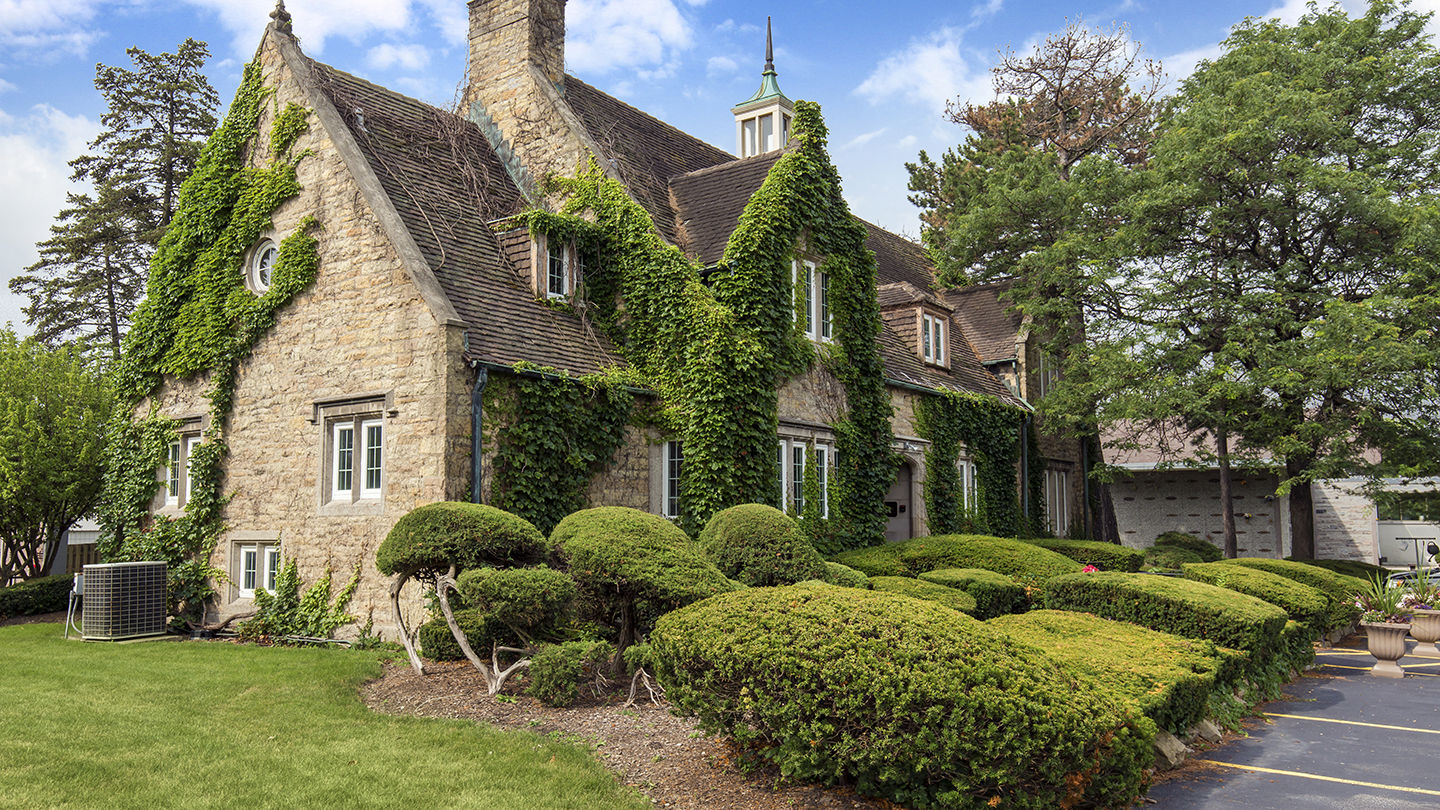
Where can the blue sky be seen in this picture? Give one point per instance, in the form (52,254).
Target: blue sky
(882,71)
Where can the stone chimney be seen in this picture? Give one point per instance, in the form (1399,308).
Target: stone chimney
(508,35)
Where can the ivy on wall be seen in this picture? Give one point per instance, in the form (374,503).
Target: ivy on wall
(991,431)
(716,355)
(1036,482)
(198,319)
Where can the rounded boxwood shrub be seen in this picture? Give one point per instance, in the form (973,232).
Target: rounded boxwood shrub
(557,670)
(1028,563)
(1305,604)
(531,602)
(1171,605)
(995,594)
(875,561)
(35,596)
(1207,550)
(904,698)
(953,598)
(1105,556)
(845,576)
(430,538)
(759,545)
(1351,568)
(1167,677)
(1169,558)
(480,629)
(1338,588)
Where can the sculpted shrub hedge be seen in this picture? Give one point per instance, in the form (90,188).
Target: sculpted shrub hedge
(875,561)
(480,629)
(1207,550)
(35,596)
(845,576)
(995,594)
(952,598)
(1167,677)
(908,700)
(531,602)
(428,539)
(1105,556)
(759,545)
(557,670)
(1338,588)
(1028,563)
(1169,558)
(1305,604)
(1351,568)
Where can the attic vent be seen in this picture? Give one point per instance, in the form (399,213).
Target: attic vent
(123,600)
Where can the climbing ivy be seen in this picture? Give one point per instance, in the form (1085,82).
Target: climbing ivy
(1036,482)
(559,431)
(716,351)
(991,431)
(199,318)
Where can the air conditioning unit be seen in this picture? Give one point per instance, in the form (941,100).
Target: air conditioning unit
(123,600)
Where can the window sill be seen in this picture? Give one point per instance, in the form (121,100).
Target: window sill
(364,506)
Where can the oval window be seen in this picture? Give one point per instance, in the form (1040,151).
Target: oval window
(262,264)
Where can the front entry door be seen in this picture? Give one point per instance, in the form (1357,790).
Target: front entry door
(897,505)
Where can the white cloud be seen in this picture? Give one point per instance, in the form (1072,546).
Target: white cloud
(864,138)
(314,20)
(929,72)
(34,177)
(986,10)
(406,57)
(5,86)
(451,18)
(907,142)
(47,26)
(607,35)
(721,64)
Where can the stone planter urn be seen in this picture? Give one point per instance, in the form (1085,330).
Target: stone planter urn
(1387,644)
(1425,627)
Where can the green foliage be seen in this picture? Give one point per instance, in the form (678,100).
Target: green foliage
(875,561)
(557,670)
(36,596)
(1304,604)
(990,429)
(1105,556)
(995,594)
(1029,564)
(1166,677)
(759,545)
(1350,568)
(288,613)
(1204,549)
(1339,589)
(902,698)
(953,598)
(1169,558)
(845,576)
(716,354)
(480,629)
(530,602)
(1179,606)
(558,432)
(53,411)
(429,539)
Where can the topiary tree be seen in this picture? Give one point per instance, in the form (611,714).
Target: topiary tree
(438,541)
(759,545)
(621,557)
(532,603)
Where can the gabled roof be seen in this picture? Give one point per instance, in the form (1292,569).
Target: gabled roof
(903,293)
(708,203)
(985,319)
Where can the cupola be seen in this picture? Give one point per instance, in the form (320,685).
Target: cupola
(762,122)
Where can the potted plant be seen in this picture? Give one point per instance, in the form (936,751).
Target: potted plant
(1386,624)
(1422,600)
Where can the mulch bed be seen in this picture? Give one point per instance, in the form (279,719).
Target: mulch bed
(664,756)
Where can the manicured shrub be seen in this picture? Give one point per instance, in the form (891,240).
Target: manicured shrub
(875,561)
(1169,558)
(1303,603)
(481,631)
(1207,550)
(1172,605)
(845,576)
(1105,556)
(629,565)
(1338,588)
(557,670)
(1167,677)
(531,602)
(428,539)
(995,594)
(953,598)
(759,545)
(904,698)
(35,596)
(1351,568)
(1028,563)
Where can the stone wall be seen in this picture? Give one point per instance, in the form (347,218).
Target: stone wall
(1345,526)
(1150,503)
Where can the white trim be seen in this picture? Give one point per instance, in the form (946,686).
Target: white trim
(791,455)
(564,254)
(367,491)
(173,475)
(1057,501)
(255,266)
(259,570)
(815,298)
(932,339)
(337,492)
(187,479)
(672,459)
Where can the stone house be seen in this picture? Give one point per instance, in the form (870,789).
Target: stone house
(366,397)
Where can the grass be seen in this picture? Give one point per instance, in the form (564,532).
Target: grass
(219,725)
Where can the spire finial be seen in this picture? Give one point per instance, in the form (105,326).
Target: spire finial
(281,18)
(769,48)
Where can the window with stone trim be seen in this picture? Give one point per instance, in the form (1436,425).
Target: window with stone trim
(812,287)
(176,473)
(673,458)
(932,339)
(1057,501)
(256,566)
(354,459)
(792,458)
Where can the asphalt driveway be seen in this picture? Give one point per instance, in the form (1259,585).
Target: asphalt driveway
(1340,738)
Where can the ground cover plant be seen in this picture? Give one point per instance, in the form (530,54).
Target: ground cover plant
(759,545)
(953,598)
(1105,556)
(123,722)
(1303,603)
(995,594)
(1207,550)
(907,699)
(1167,677)
(1027,563)
(1338,588)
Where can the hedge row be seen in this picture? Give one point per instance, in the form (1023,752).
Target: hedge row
(1338,588)
(759,545)
(995,594)
(1208,551)
(1303,603)
(1027,563)
(1167,677)
(1105,556)
(845,576)
(1169,558)
(905,699)
(952,598)
(35,596)
(1350,568)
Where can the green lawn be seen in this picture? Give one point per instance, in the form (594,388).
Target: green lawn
(219,725)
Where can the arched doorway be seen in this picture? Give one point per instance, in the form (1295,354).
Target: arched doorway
(899,507)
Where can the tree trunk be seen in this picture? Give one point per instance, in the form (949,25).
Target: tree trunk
(395,586)
(1302,521)
(443,584)
(1227,501)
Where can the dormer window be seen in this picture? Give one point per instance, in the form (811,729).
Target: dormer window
(812,306)
(932,338)
(559,267)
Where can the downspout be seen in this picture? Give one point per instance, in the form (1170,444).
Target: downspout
(477,421)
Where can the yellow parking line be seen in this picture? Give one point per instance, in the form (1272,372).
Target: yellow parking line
(1367,669)
(1353,723)
(1318,777)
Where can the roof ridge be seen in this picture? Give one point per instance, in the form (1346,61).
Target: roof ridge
(638,111)
(731,164)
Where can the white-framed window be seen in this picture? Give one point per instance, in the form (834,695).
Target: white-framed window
(557,268)
(1057,501)
(813,300)
(1047,374)
(792,458)
(173,475)
(177,470)
(357,458)
(969,486)
(932,339)
(673,457)
(257,566)
(261,266)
